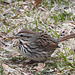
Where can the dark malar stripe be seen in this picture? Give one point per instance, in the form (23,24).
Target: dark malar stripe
(20,42)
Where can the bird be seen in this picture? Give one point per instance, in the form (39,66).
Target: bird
(38,46)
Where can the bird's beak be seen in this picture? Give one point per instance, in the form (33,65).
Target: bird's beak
(16,36)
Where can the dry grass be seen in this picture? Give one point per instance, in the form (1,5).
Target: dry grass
(55,17)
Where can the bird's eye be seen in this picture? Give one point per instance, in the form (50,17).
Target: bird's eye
(21,35)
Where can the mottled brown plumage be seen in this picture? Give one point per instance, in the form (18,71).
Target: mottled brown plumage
(38,46)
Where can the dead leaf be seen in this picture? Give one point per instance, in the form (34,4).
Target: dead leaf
(5,66)
(37,2)
(40,66)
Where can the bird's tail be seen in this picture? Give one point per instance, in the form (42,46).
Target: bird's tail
(66,37)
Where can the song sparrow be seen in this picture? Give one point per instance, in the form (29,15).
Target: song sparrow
(38,46)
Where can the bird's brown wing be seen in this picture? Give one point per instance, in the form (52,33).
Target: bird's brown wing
(45,41)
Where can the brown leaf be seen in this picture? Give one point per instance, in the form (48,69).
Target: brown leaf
(37,2)
(40,66)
